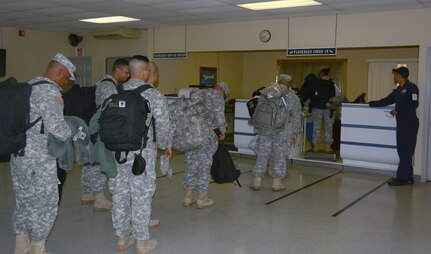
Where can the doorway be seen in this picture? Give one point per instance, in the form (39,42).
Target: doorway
(426,151)
(83,71)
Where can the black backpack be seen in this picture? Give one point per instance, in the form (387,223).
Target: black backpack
(251,105)
(80,101)
(123,120)
(15,116)
(222,169)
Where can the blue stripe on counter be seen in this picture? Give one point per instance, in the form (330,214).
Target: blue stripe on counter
(244,134)
(363,106)
(368,127)
(242,118)
(367,144)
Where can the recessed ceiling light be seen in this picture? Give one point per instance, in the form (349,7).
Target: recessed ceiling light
(112,19)
(278,4)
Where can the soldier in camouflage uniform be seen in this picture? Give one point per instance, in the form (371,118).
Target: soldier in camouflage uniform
(325,91)
(132,194)
(34,175)
(278,144)
(198,161)
(93,182)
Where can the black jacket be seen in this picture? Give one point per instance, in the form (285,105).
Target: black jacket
(325,90)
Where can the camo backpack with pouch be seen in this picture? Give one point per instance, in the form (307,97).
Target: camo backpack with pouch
(189,121)
(271,111)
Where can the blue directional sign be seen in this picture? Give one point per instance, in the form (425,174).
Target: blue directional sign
(170,55)
(312,52)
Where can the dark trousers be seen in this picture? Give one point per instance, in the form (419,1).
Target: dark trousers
(407,130)
(61,175)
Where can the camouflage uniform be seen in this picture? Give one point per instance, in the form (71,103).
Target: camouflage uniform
(322,111)
(92,179)
(276,147)
(105,89)
(132,195)
(198,161)
(317,115)
(34,175)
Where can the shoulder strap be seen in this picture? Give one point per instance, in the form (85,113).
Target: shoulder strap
(40,82)
(119,88)
(143,88)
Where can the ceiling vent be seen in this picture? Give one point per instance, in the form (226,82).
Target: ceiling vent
(117,34)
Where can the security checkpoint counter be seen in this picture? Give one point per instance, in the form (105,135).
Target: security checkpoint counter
(368,137)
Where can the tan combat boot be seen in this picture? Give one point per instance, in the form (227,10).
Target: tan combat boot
(145,246)
(39,248)
(22,244)
(154,223)
(255,184)
(277,185)
(204,201)
(102,204)
(87,199)
(188,198)
(124,242)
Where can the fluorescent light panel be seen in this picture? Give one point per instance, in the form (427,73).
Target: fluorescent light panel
(279,4)
(112,19)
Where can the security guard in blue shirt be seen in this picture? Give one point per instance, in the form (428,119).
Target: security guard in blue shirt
(405,97)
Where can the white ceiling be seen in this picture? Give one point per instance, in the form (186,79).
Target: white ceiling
(63,15)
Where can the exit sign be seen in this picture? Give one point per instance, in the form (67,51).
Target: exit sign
(312,52)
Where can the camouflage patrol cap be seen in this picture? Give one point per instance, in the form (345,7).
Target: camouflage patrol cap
(66,63)
(224,86)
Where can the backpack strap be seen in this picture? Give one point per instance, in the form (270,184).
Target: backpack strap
(108,79)
(140,90)
(42,127)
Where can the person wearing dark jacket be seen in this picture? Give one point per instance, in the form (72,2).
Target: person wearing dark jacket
(406,99)
(325,90)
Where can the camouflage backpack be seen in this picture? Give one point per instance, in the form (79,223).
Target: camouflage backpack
(188,119)
(271,110)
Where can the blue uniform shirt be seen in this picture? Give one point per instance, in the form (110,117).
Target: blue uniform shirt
(406,101)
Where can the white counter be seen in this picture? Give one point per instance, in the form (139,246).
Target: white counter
(368,137)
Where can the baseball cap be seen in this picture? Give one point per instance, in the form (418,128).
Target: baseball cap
(285,77)
(403,71)
(66,63)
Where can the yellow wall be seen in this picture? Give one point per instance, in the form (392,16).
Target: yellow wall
(27,57)
(179,73)
(260,68)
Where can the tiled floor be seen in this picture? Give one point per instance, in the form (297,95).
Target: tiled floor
(387,220)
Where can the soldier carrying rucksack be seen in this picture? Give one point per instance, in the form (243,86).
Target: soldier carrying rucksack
(277,118)
(34,174)
(199,160)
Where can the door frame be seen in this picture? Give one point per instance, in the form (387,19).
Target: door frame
(426,134)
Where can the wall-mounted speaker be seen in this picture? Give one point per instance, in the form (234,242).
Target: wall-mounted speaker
(74,39)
